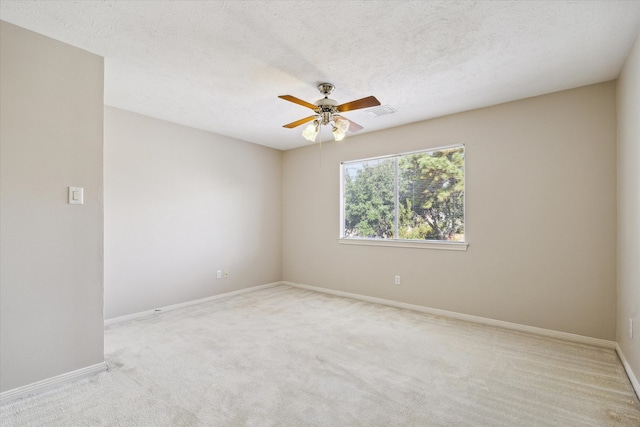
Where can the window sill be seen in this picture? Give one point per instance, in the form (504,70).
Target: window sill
(418,244)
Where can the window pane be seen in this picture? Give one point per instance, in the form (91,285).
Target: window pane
(425,190)
(431,195)
(369,204)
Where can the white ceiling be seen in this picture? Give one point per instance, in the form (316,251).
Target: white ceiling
(220,65)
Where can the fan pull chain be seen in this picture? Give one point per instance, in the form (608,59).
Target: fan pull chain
(320,135)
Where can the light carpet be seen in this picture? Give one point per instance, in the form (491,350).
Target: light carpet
(284,356)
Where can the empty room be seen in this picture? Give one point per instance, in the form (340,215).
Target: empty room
(337,213)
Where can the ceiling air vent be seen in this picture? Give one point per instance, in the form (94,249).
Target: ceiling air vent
(382,110)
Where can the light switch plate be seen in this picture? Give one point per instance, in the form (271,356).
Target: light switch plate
(76,195)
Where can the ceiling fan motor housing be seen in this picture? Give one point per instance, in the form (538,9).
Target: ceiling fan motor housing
(326,106)
(327,103)
(326,109)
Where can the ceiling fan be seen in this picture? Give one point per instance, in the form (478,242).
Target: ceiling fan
(327,112)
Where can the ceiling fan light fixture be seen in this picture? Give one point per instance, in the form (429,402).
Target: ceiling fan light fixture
(338,133)
(310,132)
(341,123)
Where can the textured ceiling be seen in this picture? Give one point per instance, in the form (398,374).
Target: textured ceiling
(220,65)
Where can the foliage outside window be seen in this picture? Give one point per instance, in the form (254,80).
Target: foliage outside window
(415,196)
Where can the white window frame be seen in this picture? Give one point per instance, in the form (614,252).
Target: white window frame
(402,243)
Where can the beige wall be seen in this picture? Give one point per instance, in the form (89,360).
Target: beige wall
(180,204)
(51,275)
(629,208)
(540,204)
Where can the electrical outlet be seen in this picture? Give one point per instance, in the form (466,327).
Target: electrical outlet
(226,274)
(219,274)
(630,328)
(397,280)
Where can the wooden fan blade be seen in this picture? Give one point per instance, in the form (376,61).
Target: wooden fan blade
(369,101)
(298,101)
(299,122)
(354,127)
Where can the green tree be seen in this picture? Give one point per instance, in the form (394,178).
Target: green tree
(431,195)
(412,226)
(369,199)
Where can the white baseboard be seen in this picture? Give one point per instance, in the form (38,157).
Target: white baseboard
(49,383)
(634,381)
(147,313)
(467,317)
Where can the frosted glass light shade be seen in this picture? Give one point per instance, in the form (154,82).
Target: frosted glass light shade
(310,132)
(342,123)
(338,134)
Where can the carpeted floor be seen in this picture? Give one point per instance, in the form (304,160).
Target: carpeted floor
(290,357)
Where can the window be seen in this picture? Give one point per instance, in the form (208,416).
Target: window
(416,197)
